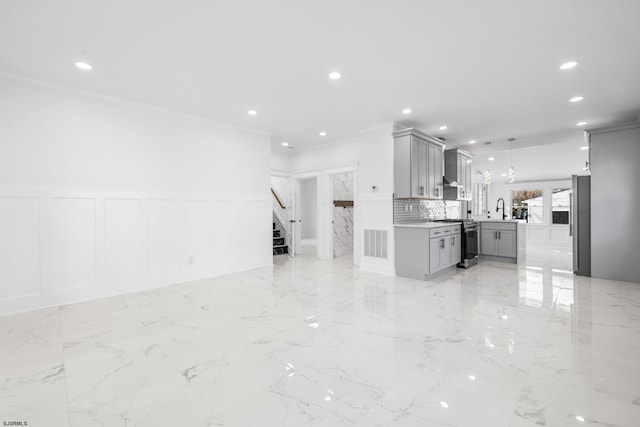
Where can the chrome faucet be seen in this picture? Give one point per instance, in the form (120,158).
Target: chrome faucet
(504,216)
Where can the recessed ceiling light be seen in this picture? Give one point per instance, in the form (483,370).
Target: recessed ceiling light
(579,418)
(444,127)
(323,134)
(473,141)
(576,99)
(285,144)
(252,112)
(84,66)
(581,124)
(568,65)
(586,147)
(406,111)
(504,174)
(335,75)
(444,404)
(491,159)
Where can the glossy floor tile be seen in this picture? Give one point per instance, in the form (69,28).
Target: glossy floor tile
(319,343)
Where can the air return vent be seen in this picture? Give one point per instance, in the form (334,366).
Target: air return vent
(375,243)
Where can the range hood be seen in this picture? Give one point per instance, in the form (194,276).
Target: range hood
(449,182)
(456,182)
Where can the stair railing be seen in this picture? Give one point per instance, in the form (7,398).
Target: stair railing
(281,214)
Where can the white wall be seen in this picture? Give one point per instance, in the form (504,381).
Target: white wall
(309,208)
(281,161)
(100,197)
(544,167)
(552,157)
(370,154)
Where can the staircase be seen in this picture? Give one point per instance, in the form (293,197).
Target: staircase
(279,243)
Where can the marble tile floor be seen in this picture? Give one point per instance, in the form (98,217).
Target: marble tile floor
(319,343)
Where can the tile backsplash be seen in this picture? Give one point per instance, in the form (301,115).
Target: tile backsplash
(417,210)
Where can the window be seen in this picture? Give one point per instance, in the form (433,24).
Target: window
(527,205)
(560,199)
(479,199)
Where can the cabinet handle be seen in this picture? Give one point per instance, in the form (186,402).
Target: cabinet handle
(499,235)
(442,243)
(421,190)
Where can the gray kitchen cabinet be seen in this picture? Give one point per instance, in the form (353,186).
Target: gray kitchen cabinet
(489,242)
(423,251)
(498,239)
(439,253)
(436,170)
(507,244)
(423,167)
(456,249)
(419,164)
(468,190)
(412,252)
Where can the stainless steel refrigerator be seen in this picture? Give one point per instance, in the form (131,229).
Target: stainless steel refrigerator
(580,225)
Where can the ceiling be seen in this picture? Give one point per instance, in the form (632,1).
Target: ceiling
(489,70)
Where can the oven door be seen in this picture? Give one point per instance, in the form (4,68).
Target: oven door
(470,243)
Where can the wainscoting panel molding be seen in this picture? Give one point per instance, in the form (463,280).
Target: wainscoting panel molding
(61,246)
(73,243)
(123,239)
(19,246)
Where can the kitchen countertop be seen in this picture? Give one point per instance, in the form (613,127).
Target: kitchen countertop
(514,221)
(427,224)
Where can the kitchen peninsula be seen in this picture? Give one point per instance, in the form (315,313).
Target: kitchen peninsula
(503,240)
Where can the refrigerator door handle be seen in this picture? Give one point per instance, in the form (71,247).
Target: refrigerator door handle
(571,215)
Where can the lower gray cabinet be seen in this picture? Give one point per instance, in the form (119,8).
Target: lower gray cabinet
(421,251)
(439,253)
(507,244)
(489,239)
(412,252)
(498,239)
(456,250)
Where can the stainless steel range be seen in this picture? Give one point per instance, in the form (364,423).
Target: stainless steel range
(469,246)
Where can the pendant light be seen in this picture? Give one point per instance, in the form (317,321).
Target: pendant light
(487,176)
(511,175)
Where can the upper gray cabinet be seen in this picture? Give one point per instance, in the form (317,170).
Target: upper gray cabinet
(419,165)
(457,167)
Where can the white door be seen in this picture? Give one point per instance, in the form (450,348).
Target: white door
(294,220)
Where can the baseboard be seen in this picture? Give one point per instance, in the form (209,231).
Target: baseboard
(386,270)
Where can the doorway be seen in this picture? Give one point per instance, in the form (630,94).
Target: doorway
(313,220)
(343,214)
(308,218)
